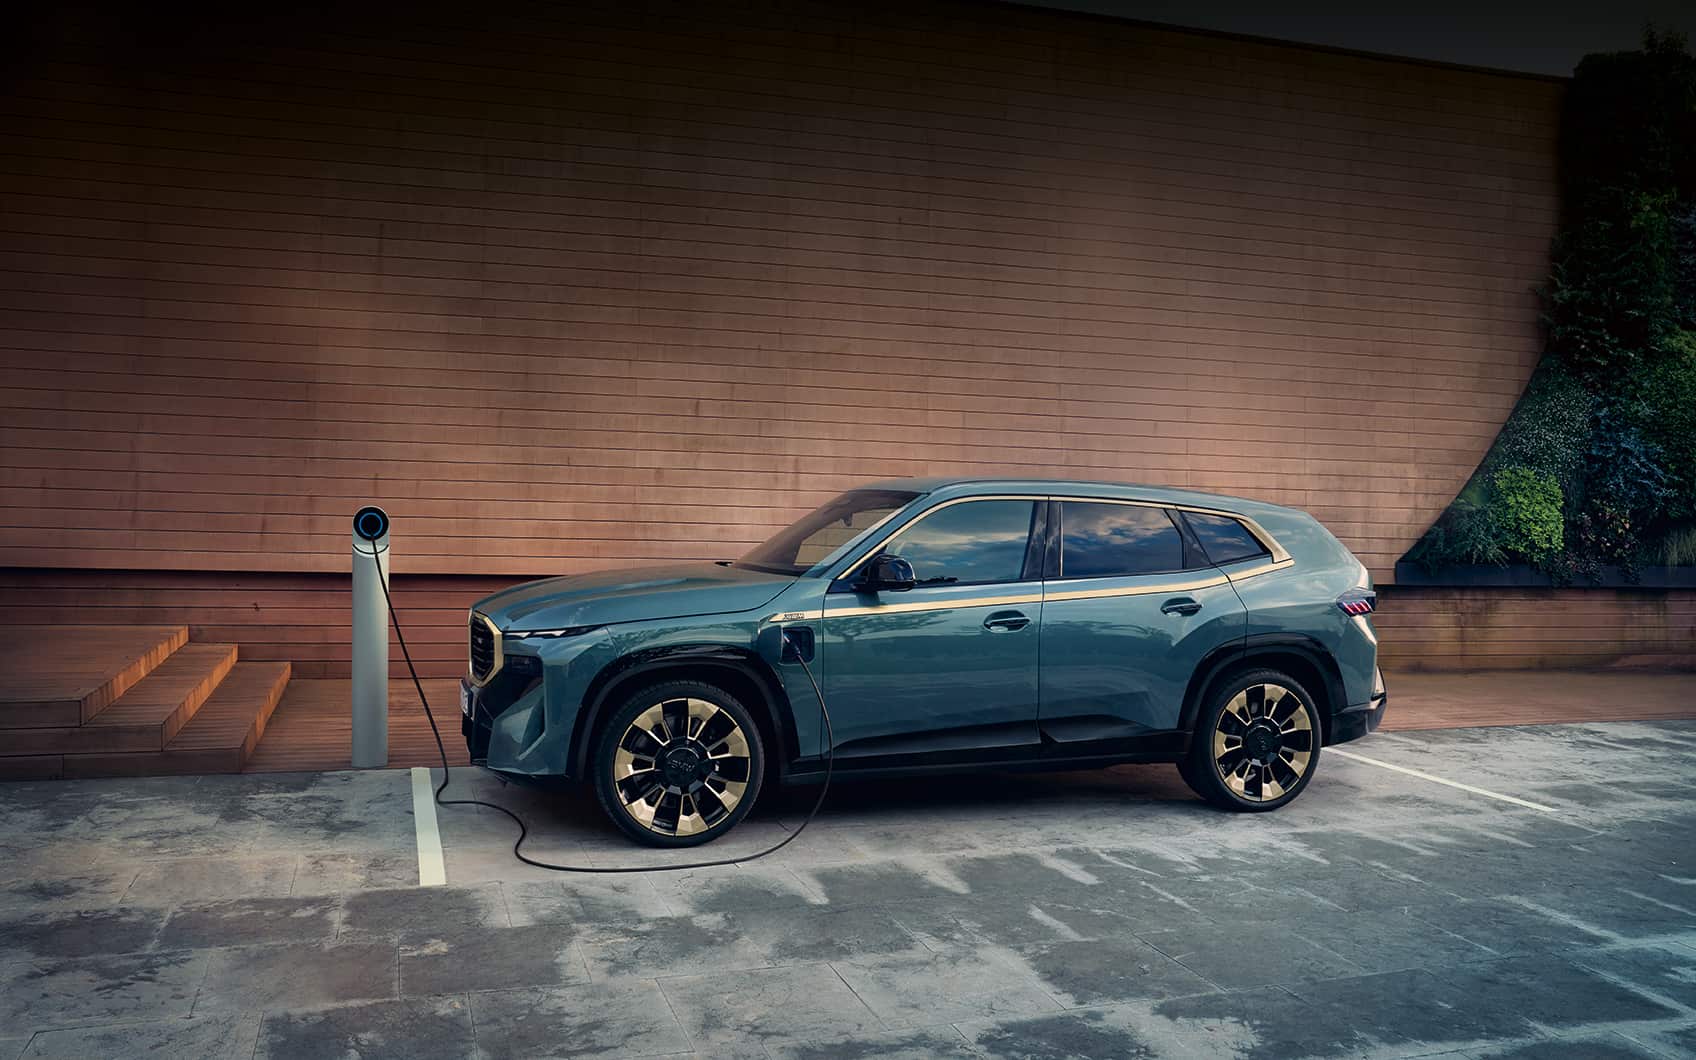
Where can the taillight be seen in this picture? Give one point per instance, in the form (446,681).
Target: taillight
(1358,602)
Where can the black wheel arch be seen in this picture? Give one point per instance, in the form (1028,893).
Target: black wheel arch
(738,671)
(1301,656)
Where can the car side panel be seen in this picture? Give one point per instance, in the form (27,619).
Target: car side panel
(1300,599)
(1115,664)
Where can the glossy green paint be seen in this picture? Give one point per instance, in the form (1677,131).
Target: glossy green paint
(1118,666)
(926,673)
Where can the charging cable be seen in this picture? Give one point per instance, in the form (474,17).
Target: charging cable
(524,830)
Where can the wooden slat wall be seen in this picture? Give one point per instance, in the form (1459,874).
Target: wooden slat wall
(1490,629)
(304,619)
(567,287)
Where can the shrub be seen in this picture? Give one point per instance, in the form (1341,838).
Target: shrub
(1678,547)
(1668,420)
(1464,534)
(1549,430)
(1597,463)
(1610,296)
(1527,506)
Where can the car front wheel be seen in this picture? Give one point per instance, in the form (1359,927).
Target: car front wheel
(1256,742)
(678,764)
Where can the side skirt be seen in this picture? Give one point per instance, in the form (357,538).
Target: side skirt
(1046,757)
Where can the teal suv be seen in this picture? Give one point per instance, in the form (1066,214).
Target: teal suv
(951,624)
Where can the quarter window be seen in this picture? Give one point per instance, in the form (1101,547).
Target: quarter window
(1224,539)
(1104,540)
(967,544)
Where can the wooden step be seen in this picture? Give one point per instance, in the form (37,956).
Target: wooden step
(219,739)
(146,717)
(59,676)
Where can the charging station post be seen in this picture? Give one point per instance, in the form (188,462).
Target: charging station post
(370,639)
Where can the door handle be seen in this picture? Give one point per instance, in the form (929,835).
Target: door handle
(1006,621)
(1180,605)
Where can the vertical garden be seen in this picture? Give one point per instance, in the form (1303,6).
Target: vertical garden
(1593,477)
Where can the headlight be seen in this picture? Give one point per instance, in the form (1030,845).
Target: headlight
(551,634)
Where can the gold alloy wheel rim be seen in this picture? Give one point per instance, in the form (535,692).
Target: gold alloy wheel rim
(1263,742)
(681,767)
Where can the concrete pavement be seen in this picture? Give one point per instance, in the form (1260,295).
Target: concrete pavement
(1103,914)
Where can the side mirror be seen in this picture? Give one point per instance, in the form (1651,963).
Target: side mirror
(888,574)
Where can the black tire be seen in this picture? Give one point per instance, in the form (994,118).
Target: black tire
(1254,750)
(678,764)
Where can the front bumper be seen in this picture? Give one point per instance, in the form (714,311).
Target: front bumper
(1363,718)
(474,723)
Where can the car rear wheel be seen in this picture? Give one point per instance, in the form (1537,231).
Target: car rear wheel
(678,764)
(1256,743)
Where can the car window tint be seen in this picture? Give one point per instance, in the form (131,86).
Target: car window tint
(1098,540)
(1224,539)
(971,543)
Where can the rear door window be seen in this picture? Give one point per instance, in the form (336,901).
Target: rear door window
(1224,539)
(1100,540)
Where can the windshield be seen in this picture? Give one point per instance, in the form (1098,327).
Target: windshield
(830,528)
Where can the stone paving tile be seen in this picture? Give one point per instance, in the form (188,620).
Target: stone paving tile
(268,977)
(801,1001)
(491,958)
(1096,971)
(734,888)
(1251,954)
(674,946)
(885,882)
(250,921)
(321,874)
(173,882)
(924,1043)
(1389,940)
(43,995)
(1265,1023)
(587,902)
(1507,929)
(1093,1033)
(1033,920)
(618,1018)
(1667,970)
(79,934)
(748,939)
(1599,1047)
(1513,997)
(54,893)
(414,1028)
(923,990)
(201,1038)
(421,912)
(1542,989)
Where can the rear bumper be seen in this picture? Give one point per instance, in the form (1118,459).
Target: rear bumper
(1363,718)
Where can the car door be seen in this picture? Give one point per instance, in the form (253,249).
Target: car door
(1131,608)
(948,667)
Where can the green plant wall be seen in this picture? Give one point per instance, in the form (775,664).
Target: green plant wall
(1596,465)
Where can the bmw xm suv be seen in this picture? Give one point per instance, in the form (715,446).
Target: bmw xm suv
(951,624)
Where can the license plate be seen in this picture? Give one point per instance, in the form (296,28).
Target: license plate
(465,700)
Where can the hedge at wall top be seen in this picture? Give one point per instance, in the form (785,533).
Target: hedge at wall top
(1597,463)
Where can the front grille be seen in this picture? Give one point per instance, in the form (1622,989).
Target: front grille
(485,649)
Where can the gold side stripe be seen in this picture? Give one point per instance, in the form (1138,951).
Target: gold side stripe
(1264,568)
(934,605)
(1139,590)
(1070,594)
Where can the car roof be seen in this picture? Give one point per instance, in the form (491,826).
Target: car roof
(969,486)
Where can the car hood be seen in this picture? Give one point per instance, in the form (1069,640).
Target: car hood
(606,597)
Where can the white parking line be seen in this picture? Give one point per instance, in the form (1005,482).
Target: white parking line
(432,871)
(1351,756)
